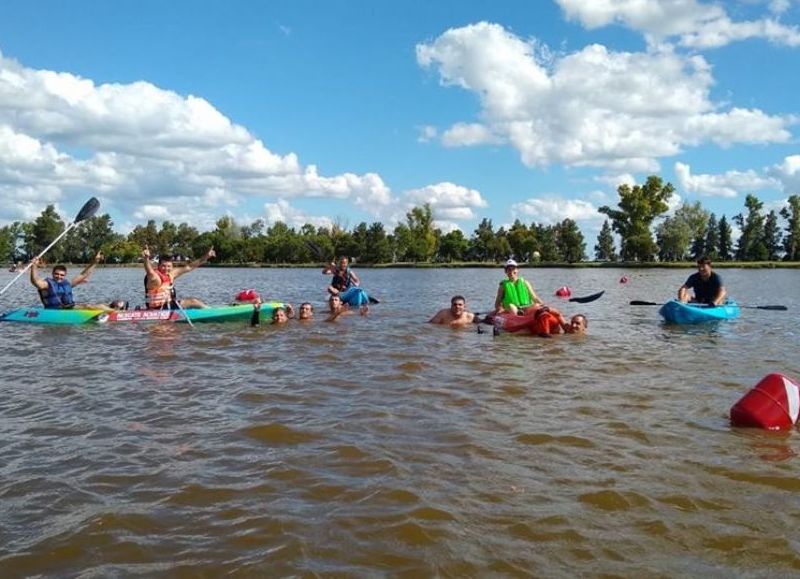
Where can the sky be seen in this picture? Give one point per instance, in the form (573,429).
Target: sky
(349,111)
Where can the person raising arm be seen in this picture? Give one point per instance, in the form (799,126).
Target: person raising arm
(159,282)
(56,291)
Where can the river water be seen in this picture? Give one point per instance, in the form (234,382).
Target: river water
(383,446)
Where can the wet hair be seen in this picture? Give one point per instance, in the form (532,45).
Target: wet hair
(585,320)
(278,309)
(163,258)
(60,268)
(454,299)
(307,304)
(704,260)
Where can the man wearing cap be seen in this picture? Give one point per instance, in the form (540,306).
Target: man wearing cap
(514,293)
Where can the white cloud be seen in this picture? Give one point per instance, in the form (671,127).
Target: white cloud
(788,174)
(694,24)
(291,216)
(618,110)
(427,133)
(468,134)
(554,210)
(142,148)
(728,184)
(448,201)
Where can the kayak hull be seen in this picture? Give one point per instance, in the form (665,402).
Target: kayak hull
(217,314)
(675,312)
(39,315)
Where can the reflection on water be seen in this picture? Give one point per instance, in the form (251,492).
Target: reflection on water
(384,446)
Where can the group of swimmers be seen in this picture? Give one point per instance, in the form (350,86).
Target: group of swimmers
(515,296)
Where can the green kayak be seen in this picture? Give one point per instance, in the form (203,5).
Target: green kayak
(216,314)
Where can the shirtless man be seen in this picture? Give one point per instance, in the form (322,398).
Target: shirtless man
(456,315)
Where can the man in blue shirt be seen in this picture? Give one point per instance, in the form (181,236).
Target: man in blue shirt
(707,285)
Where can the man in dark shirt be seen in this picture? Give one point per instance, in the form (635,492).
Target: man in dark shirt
(707,285)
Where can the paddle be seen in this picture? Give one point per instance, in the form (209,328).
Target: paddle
(88,210)
(587,299)
(777,308)
(317,251)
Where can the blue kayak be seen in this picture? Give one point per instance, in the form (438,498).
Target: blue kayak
(675,312)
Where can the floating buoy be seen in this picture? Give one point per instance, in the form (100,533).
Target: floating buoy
(624,279)
(773,404)
(248,295)
(563,292)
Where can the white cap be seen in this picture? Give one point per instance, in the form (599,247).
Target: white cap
(511,263)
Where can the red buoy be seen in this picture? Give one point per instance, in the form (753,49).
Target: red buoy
(624,279)
(563,292)
(248,295)
(773,404)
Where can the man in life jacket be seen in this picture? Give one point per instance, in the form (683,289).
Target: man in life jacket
(514,293)
(345,284)
(548,321)
(159,283)
(56,290)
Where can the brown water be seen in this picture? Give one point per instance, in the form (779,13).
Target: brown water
(382,446)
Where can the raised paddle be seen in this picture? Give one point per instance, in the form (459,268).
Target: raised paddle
(773,308)
(88,210)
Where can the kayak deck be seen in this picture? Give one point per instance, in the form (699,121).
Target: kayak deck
(675,312)
(216,314)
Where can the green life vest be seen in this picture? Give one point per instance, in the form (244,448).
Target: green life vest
(515,293)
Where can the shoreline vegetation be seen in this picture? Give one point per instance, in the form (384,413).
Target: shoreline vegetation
(489,265)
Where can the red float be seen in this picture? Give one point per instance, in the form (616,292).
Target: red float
(563,292)
(773,404)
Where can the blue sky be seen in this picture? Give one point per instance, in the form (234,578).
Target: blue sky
(349,111)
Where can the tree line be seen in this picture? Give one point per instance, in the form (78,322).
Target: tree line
(688,233)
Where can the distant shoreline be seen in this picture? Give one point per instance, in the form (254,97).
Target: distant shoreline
(485,265)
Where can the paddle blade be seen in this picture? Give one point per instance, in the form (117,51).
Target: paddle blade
(641,303)
(315,249)
(774,308)
(88,210)
(373,300)
(587,299)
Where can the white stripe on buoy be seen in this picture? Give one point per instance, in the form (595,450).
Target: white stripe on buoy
(792,397)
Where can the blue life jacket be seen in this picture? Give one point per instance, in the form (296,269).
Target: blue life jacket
(58,294)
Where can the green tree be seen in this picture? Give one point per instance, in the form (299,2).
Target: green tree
(481,244)
(677,233)
(772,236)
(226,240)
(638,208)
(422,243)
(604,250)
(378,246)
(146,236)
(453,246)
(184,240)
(43,231)
(711,243)
(791,241)
(751,245)
(8,242)
(571,244)
(725,240)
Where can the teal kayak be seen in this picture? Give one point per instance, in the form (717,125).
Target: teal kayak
(217,314)
(40,315)
(675,312)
